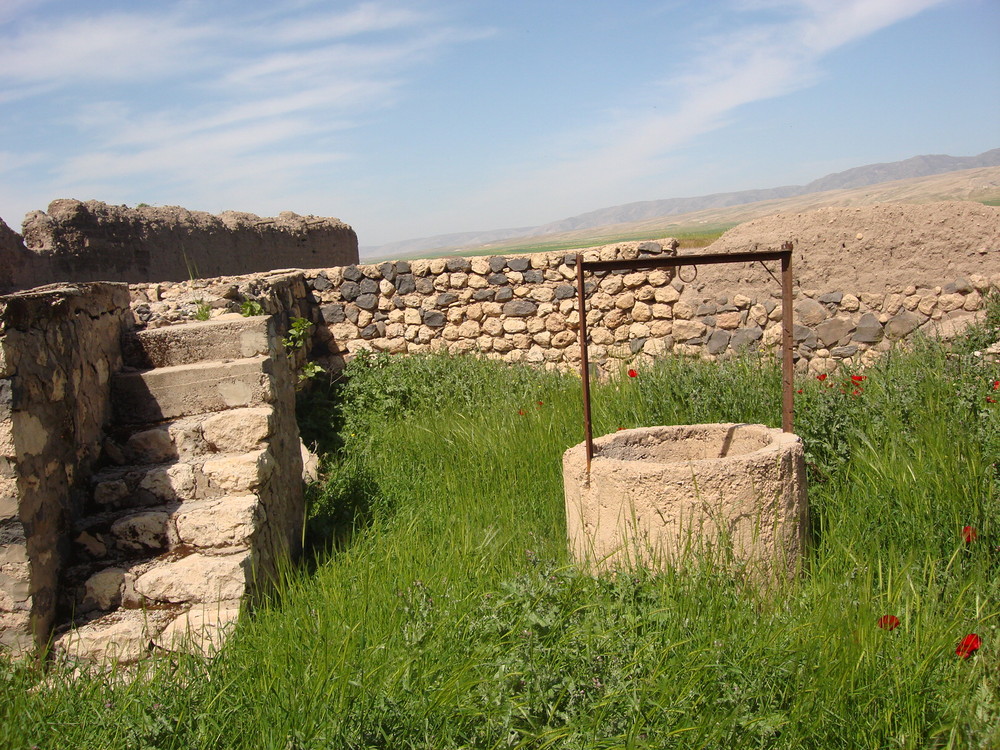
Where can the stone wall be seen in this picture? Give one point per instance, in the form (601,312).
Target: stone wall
(59,348)
(524,309)
(148,479)
(92,241)
(199,498)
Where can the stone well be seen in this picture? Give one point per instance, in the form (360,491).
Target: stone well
(656,495)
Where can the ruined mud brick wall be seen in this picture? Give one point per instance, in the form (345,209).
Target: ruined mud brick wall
(524,309)
(59,348)
(17,263)
(92,241)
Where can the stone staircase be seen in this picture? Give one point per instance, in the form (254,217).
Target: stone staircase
(198,497)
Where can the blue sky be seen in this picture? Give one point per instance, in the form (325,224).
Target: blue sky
(408,118)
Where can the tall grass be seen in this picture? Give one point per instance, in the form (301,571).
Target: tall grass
(442,610)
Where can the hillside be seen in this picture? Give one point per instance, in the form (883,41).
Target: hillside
(920,179)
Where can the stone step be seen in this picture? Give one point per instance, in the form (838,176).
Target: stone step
(184,390)
(133,559)
(193,437)
(198,577)
(200,477)
(124,536)
(145,486)
(124,636)
(226,337)
(157,443)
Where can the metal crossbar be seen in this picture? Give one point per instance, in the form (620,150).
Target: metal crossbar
(640,264)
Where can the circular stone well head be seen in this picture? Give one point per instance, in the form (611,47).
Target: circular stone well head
(657,496)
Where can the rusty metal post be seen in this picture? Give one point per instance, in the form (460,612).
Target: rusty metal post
(584,360)
(787,366)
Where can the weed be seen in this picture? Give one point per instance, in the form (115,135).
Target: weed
(203,310)
(250,308)
(985,332)
(310,370)
(298,335)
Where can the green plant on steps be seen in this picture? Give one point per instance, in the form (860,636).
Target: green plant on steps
(251,308)
(310,370)
(203,311)
(295,340)
(298,333)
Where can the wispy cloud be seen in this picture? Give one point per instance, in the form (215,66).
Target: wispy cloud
(758,60)
(177,95)
(366,18)
(110,48)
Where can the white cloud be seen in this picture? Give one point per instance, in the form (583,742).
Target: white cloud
(755,62)
(365,18)
(114,47)
(181,98)
(11,161)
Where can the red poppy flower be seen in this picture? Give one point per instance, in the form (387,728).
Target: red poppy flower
(996,385)
(821,377)
(521,412)
(633,374)
(619,429)
(799,390)
(859,378)
(990,400)
(969,645)
(888,622)
(541,403)
(969,534)
(857,391)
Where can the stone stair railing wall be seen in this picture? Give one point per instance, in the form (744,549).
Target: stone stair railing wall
(524,309)
(153,478)
(59,350)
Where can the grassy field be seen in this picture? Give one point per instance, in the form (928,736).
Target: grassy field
(693,236)
(441,611)
(689,237)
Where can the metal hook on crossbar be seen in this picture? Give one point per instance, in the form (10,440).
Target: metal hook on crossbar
(692,279)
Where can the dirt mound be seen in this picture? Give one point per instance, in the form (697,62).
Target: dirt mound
(865,248)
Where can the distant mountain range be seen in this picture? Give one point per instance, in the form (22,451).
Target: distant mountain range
(643,211)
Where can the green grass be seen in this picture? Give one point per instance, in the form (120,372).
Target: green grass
(689,236)
(442,610)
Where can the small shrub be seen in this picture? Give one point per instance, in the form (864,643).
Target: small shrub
(980,335)
(298,334)
(310,370)
(250,308)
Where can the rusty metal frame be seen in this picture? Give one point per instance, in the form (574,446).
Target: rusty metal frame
(676,261)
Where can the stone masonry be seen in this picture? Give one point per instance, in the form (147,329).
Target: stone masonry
(58,350)
(524,309)
(152,480)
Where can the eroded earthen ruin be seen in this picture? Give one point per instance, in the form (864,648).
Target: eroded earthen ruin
(92,241)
